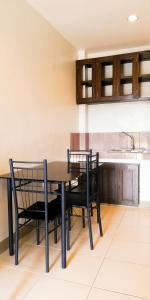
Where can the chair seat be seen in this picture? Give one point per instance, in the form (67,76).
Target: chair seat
(76,197)
(36,210)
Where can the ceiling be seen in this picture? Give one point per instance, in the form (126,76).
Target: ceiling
(98,25)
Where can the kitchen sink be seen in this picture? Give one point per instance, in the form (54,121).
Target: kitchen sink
(129,150)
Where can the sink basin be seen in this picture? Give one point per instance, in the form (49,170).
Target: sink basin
(128,150)
(138,150)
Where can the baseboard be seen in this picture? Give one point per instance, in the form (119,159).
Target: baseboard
(4,244)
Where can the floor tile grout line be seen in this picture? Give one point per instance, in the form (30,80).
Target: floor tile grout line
(114,234)
(54,277)
(101,263)
(111,241)
(95,279)
(130,295)
(66,280)
(26,294)
(127,261)
(116,260)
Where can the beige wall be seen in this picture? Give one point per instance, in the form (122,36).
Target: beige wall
(37,91)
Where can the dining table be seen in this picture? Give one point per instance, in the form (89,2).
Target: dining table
(56,170)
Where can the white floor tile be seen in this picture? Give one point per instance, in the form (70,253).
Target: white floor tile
(132,233)
(80,269)
(138,253)
(14,284)
(97,294)
(48,288)
(118,267)
(125,278)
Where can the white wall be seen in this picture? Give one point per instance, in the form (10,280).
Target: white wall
(114,117)
(37,91)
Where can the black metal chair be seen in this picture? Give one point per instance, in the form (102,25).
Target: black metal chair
(36,200)
(86,189)
(74,156)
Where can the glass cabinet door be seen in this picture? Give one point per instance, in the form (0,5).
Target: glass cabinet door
(105,78)
(85,80)
(127,76)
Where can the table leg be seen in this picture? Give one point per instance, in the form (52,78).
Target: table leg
(63,227)
(10,217)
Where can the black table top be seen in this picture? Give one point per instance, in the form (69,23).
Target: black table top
(57,170)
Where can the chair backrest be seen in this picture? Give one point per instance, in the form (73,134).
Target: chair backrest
(30,184)
(29,180)
(77,155)
(86,165)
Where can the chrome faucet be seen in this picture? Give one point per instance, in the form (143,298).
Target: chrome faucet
(132,139)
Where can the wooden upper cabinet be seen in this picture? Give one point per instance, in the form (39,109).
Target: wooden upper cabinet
(85,81)
(117,78)
(113,78)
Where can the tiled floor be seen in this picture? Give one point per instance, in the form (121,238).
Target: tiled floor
(117,269)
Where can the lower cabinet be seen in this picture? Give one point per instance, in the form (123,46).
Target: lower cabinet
(119,184)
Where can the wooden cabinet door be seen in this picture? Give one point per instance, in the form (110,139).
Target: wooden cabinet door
(119,184)
(117,78)
(105,78)
(108,183)
(127,76)
(128,184)
(85,81)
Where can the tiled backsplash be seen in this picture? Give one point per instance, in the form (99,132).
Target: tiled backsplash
(105,142)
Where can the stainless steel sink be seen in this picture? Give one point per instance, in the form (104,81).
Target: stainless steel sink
(128,150)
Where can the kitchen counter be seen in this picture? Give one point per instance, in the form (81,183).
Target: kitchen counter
(120,160)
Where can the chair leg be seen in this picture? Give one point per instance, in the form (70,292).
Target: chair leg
(16,242)
(91,210)
(83,218)
(90,228)
(37,232)
(55,231)
(46,247)
(68,229)
(99,220)
(69,218)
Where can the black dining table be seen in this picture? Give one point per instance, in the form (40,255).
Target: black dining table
(57,170)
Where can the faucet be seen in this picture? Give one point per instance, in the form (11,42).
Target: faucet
(132,139)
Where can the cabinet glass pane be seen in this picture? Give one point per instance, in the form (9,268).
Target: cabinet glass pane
(126,89)
(86,91)
(145,89)
(86,73)
(108,71)
(144,67)
(127,69)
(107,90)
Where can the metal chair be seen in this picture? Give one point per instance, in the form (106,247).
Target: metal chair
(73,156)
(86,188)
(36,200)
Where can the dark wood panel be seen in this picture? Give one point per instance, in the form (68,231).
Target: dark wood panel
(119,184)
(99,81)
(108,183)
(128,185)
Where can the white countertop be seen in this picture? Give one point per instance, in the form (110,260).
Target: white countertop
(136,159)
(123,160)
(120,160)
